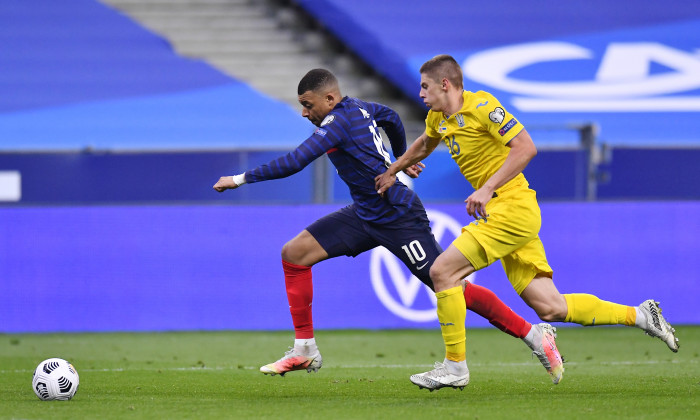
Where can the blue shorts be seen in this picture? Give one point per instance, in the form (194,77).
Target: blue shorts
(409,238)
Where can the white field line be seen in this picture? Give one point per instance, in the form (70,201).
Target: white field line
(368,366)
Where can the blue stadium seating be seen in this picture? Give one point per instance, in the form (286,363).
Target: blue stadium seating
(78,74)
(631,67)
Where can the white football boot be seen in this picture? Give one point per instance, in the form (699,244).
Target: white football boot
(546,350)
(293,360)
(657,326)
(439,377)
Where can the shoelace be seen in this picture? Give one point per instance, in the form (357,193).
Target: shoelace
(287,353)
(439,370)
(655,316)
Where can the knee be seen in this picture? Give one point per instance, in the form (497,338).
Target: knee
(438,275)
(290,253)
(449,270)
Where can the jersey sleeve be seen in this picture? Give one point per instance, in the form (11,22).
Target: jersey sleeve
(502,125)
(390,121)
(322,140)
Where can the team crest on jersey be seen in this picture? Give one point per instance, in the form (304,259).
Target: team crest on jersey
(329,119)
(460,120)
(497,115)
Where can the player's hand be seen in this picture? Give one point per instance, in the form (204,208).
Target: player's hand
(414,170)
(225,183)
(383,182)
(477,201)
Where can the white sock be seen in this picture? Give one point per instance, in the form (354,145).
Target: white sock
(456,368)
(533,337)
(306,346)
(641,321)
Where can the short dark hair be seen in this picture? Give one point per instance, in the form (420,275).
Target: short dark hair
(316,80)
(443,66)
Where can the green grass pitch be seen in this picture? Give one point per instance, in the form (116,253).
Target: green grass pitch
(611,373)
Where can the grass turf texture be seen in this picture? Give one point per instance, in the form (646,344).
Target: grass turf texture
(611,372)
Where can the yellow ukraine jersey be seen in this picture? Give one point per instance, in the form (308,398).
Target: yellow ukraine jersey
(477,136)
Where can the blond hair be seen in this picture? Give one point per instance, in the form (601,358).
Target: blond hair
(443,66)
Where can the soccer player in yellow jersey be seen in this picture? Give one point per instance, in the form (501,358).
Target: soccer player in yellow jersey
(492,148)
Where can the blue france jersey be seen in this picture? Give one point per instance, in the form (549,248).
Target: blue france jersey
(350,136)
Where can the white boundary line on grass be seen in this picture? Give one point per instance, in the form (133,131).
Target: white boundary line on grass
(369,366)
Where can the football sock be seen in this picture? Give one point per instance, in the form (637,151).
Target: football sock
(306,346)
(300,293)
(303,342)
(485,303)
(587,309)
(456,368)
(452,313)
(533,336)
(641,320)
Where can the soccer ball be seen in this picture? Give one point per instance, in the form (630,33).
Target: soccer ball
(55,379)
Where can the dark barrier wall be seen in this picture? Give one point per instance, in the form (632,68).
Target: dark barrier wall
(143,268)
(129,178)
(135,178)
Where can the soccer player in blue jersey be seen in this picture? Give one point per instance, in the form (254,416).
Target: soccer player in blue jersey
(348,132)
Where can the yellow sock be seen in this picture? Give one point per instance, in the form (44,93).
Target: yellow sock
(589,310)
(452,312)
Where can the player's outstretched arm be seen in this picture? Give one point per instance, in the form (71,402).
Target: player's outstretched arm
(283,166)
(522,150)
(421,148)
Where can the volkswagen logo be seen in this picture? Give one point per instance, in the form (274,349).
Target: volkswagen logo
(401,292)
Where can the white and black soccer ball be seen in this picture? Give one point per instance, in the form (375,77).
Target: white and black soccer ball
(55,379)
